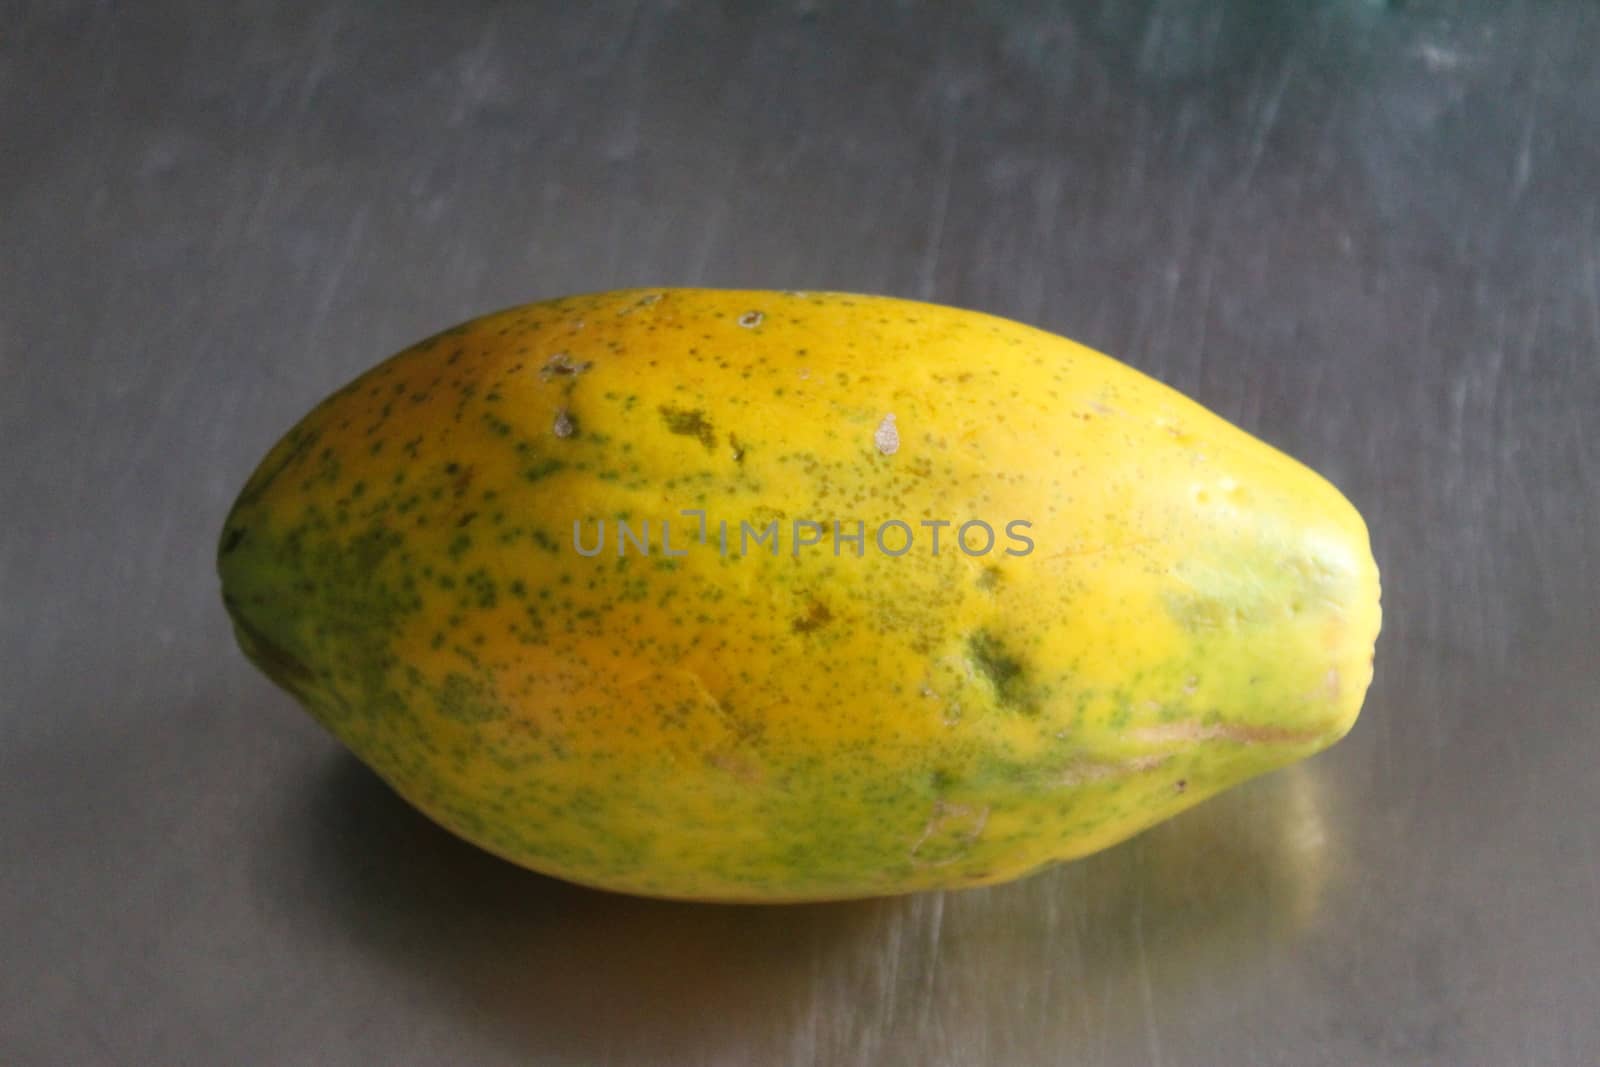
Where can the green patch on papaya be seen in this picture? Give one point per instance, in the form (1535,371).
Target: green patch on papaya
(1005,672)
(690,423)
(275,661)
(542,469)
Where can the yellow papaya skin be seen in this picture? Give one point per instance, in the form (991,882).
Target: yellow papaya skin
(827,721)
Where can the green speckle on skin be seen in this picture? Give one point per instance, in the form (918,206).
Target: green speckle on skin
(542,469)
(465,699)
(689,423)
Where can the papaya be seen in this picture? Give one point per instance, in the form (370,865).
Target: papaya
(778,596)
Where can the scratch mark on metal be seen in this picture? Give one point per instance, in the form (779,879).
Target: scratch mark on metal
(342,259)
(927,275)
(1152,1031)
(1591,272)
(1268,121)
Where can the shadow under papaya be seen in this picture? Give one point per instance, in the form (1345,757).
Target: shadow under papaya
(1021,970)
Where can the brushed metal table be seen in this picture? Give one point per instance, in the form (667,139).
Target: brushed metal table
(1368,233)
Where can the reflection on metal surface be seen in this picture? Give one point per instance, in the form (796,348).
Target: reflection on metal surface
(1273,847)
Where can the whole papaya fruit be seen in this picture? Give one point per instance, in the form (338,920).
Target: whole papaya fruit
(771,596)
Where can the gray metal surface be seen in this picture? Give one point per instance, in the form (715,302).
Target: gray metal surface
(1369,234)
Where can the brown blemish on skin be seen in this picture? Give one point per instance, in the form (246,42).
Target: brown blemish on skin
(1081,772)
(1181,732)
(751,319)
(816,617)
(562,365)
(959,824)
(689,424)
(737,766)
(949,713)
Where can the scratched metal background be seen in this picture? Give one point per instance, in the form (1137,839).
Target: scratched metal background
(1366,232)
